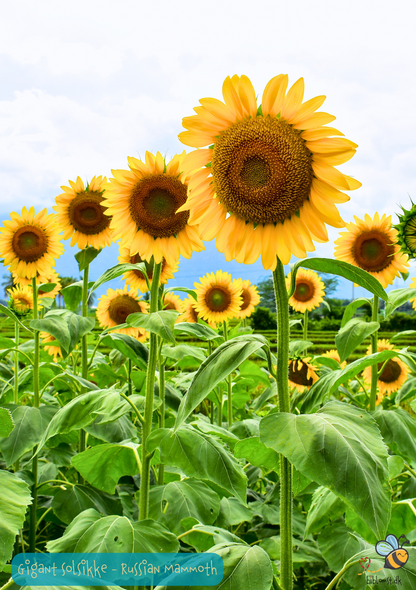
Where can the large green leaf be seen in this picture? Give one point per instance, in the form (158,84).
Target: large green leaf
(326,506)
(203,537)
(351,309)
(72,295)
(120,430)
(89,532)
(158,322)
(341,269)
(14,499)
(70,501)
(85,256)
(223,361)
(407,390)
(177,500)
(199,331)
(339,447)
(116,271)
(30,425)
(57,327)
(397,298)
(244,567)
(200,456)
(103,465)
(327,384)
(352,335)
(233,512)
(83,410)
(131,348)
(6,422)
(256,453)
(398,429)
(181,351)
(78,327)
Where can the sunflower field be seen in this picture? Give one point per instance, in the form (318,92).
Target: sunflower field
(161,423)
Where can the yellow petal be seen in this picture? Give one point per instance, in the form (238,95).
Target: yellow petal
(218,109)
(195,138)
(159,163)
(273,95)
(247,96)
(315,120)
(330,175)
(330,144)
(325,191)
(319,133)
(231,97)
(307,109)
(195,160)
(293,99)
(353,184)
(336,158)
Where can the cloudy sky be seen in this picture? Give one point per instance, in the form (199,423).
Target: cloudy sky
(86,84)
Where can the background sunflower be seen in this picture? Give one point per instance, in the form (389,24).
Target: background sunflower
(20,300)
(302,374)
(309,292)
(218,297)
(394,374)
(136,279)
(250,296)
(114,308)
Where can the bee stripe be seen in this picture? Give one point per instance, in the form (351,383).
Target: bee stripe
(396,559)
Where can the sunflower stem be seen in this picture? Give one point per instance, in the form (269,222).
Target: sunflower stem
(374,368)
(84,358)
(161,474)
(129,377)
(16,366)
(282,381)
(305,327)
(148,408)
(33,507)
(229,384)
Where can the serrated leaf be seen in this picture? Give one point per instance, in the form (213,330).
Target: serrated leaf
(131,348)
(325,507)
(199,331)
(297,347)
(6,422)
(14,499)
(352,335)
(398,429)
(256,453)
(70,501)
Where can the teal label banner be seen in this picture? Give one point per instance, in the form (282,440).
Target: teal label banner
(122,569)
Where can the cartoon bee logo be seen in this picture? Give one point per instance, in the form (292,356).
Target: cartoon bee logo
(394,553)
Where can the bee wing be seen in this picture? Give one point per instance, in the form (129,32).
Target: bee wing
(383,548)
(392,539)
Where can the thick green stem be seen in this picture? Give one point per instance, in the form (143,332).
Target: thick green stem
(129,377)
(16,365)
(229,384)
(148,409)
(374,368)
(161,475)
(84,358)
(282,380)
(33,507)
(305,325)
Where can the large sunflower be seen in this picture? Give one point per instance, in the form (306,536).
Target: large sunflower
(309,292)
(268,185)
(372,245)
(144,202)
(114,308)
(30,243)
(218,297)
(136,279)
(393,375)
(20,300)
(51,277)
(250,296)
(301,374)
(81,214)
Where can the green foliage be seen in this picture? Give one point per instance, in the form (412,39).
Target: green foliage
(14,500)
(263,319)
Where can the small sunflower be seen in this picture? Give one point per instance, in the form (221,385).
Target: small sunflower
(114,308)
(301,374)
(394,373)
(81,214)
(136,279)
(406,231)
(371,244)
(250,296)
(333,354)
(51,277)
(30,243)
(267,186)
(172,301)
(190,313)
(218,297)
(21,300)
(309,292)
(51,345)
(144,203)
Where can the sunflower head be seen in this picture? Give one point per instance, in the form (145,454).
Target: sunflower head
(144,203)
(136,279)
(172,301)
(392,377)
(218,297)
(51,277)
(333,354)
(20,300)
(114,308)
(81,214)
(302,373)
(268,184)
(250,296)
(309,292)
(406,231)
(190,314)
(371,244)
(51,345)
(30,243)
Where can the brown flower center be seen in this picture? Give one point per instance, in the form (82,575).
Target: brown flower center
(193,313)
(299,376)
(304,291)
(217,299)
(121,307)
(86,213)
(391,371)
(154,201)
(29,243)
(373,251)
(246,295)
(262,170)
(170,305)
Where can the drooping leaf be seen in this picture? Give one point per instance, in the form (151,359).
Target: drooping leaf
(223,361)
(6,422)
(407,390)
(117,431)
(233,512)
(57,327)
(103,465)
(131,348)
(72,295)
(256,453)
(14,499)
(297,347)
(78,327)
(70,501)
(158,322)
(181,351)
(85,256)
(339,447)
(352,335)
(398,297)
(341,269)
(199,331)
(325,507)
(352,308)
(190,292)
(117,271)
(398,429)
(403,334)
(203,537)
(200,456)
